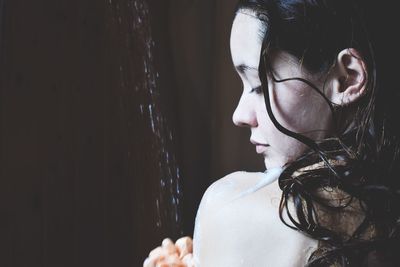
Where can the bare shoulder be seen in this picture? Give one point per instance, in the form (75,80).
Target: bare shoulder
(245,231)
(228,187)
(232,180)
(223,206)
(222,191)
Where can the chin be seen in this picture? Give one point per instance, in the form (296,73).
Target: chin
(272,163)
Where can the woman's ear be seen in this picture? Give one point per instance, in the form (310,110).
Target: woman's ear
(349,77)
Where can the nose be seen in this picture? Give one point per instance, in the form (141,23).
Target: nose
(245,114)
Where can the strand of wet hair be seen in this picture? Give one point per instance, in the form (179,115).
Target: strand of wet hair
(305,140)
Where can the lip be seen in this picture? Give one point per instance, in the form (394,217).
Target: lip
(260,148)
(257,143)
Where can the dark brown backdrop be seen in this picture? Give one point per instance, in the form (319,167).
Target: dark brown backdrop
(115,117)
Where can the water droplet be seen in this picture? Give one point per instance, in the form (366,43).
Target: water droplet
(151,118)
(145,66)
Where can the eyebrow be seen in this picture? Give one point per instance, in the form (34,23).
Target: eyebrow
(242,68)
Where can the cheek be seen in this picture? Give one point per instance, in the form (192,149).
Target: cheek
(298,108)
(273,136)
(283,106)
(283,148)
(280,142)
(287,106)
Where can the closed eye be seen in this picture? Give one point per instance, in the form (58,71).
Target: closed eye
(257,90)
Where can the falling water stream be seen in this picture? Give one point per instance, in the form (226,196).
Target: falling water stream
(139,75)
(89,173)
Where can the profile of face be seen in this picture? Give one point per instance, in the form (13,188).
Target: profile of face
(295,104)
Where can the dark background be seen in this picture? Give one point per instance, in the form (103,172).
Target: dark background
(115,118)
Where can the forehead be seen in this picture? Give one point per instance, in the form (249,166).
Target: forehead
(245,41)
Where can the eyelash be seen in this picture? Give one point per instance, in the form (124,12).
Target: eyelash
(257,90)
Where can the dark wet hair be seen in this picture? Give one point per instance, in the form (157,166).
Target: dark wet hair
(356,168)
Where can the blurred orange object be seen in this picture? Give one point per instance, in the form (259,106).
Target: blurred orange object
(170,254)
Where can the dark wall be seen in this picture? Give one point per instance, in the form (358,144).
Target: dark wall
(208,91)
(115,117)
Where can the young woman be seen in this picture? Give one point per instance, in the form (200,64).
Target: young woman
(316,87)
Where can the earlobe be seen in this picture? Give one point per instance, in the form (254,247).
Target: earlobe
(349,77)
